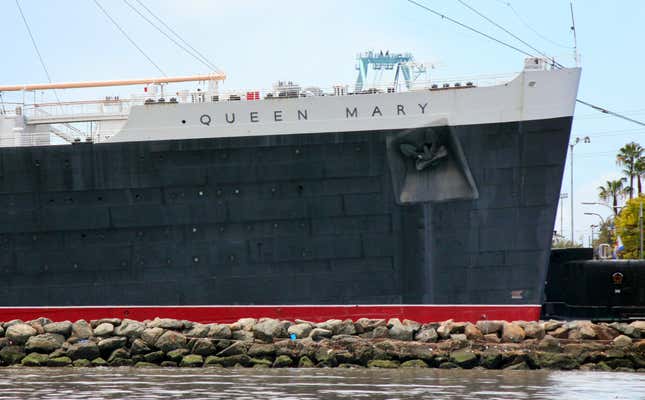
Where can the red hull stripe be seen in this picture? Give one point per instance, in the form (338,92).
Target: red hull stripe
(314,313)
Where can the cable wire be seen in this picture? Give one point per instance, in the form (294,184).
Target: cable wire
(205,62)
(213,66)
(33,42)
(508,32)
(127,36)
(606,111)
(527,25)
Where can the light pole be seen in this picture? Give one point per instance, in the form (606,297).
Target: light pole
(591,238)
(571,146)
(562,197)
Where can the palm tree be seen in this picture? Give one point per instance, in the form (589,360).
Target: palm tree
(627,157)
(639,169)
(613,190)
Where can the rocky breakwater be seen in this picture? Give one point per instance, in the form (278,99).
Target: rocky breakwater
(372,343)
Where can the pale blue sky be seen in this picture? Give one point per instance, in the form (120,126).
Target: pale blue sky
(315,42)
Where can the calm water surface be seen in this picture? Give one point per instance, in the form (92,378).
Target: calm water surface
(289,384)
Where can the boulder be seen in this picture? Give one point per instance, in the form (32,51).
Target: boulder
(491,359)
(154,357)
(111,321)
(45,343)
(59,361)
(626,329)
(399,331)
(587,332)
(305,362)
(198,331)
(12,354)
(368,324)
(221,331)
(414,364)
(104,329)
(203,347)
(300,330)
(552,325)
(192,361)
(139,346)
(20,333)
(242,335)
(7,324)
(234,349)
(108,345)
(269,329)
(87,350)
(282,361)
(445,329)
(120,358)
(472,332)
(534,330)
(492,337)
(35,360)
(81,329)
(555,361)
(622,341)
(262,350)
(243,324)
(1,330)
(320,333)
(176,355)
(464,358)
(345,328)
(83,363)
(426,334)
(550,344)
(561,332)
(640,325)
(388,364)
(166,323)
(512,333)
(171,340)
(130,329)
(487,327)
(151,335)
(61,328)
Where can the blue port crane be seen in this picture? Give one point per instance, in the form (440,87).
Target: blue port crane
(402,62)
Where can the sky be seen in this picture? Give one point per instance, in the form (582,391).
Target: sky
(315,43)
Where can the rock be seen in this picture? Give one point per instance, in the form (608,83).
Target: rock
(427,334)
(561,333)
(1,330)
(84,363)
(120,357)
(414,364)
(521,366)
(35,360)
(332,325)
(111,321)
(380,332)
(243,324)
(555,361)
(640,325)
(320,333)
(130,328)
(399,331)
(626,329)
(104,329)
(269,329)
(177,355)
(59,362)
(108,345)
(464,358)
(144,364)
(12,354)
(472,332)
(512,333)
(587,333)
(245,336)
(139,346)
(550,344)
(151,335)
(60,328)
(37,326)
(166,323)
(622,341)
(448,365)
(534,330)
(87,350)
(300,330)
(81,329)
(487,327)
(231,361)
(492,337)
(345,328)
(45,343)
(491,359)
(192,361)
(6,325)
(20,333)
(234,349)
(203,347)
(369,324)
(390,364)
(198,331)
(444,329)
(168,364)
(305,362)
(221,331)
(282,362)
(171,340)
(154,357)
(459,339)
(552,325)
(604,332)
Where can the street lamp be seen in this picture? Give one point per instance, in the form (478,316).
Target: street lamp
(602,220)
(592,226)
(613,209)
(571,146)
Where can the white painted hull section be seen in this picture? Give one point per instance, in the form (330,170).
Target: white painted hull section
(532,95)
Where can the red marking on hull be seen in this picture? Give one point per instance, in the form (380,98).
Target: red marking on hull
(314,313)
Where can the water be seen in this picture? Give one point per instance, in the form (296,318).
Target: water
(305,384)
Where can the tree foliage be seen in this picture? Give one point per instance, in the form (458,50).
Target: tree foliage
(627,157)
(628,228)
(613,191)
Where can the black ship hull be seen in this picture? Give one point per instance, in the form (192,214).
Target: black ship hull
(297,225)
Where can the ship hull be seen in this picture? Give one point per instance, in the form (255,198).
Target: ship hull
(310,226)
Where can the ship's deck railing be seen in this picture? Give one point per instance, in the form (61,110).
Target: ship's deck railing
(115,108)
